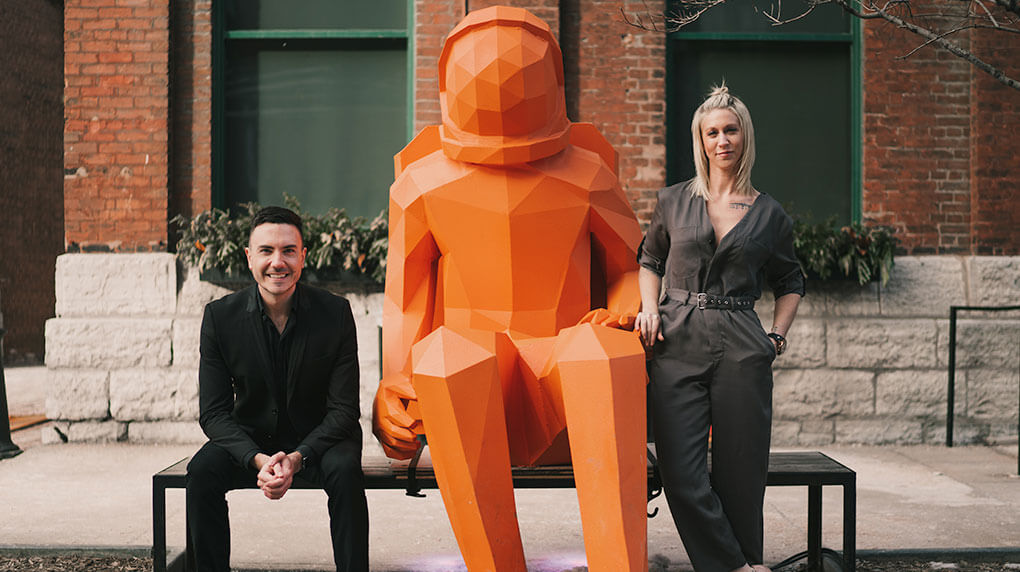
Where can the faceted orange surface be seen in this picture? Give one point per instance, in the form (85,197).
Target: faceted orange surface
(511,288)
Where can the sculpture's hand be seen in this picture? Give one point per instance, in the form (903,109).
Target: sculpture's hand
(604,317)
(396,421)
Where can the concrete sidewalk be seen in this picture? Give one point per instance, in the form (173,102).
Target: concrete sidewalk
(909,498)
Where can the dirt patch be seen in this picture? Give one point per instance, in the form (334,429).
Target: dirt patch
(917,565)
(74,563)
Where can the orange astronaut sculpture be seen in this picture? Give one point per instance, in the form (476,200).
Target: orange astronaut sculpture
(507,227)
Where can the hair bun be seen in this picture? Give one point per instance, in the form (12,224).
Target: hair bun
(719,90)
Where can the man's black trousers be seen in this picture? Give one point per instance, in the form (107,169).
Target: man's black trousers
(212,473)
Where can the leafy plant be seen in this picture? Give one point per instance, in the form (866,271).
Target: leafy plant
(855,251)
(215,240)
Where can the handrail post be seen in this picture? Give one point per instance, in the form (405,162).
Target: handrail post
(951,388)
(951,385)
(7,447)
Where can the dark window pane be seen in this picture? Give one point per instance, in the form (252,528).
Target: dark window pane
(747,16)
(315,14)
(322,125)
(799,98)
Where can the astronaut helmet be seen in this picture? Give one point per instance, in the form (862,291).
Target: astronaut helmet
(501,89)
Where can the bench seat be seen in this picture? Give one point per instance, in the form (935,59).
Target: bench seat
(803,468)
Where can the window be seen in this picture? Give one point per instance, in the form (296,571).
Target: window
(312,99)
(801,84)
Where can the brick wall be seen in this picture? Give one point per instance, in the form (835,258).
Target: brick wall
(31,235)
(432,21)
(116,105)
(995,166)
(937,158)
(621,88)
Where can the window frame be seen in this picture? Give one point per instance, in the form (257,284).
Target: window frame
(343,37)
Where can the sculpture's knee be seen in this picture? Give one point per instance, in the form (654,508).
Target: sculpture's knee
(447,354)
(618,350)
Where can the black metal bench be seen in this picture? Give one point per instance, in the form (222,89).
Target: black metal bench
(811,469)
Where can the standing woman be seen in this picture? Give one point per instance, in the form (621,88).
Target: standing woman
(716,241)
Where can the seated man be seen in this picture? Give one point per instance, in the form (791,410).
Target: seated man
(507,226)
(278,395)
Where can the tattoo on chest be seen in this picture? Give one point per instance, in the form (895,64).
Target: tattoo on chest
(740,206)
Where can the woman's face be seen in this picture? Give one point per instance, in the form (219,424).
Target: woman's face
(723,139)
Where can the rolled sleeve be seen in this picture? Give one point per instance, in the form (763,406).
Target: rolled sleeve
(654,248)
(783,270)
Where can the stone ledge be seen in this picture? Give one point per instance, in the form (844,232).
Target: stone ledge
(806,345)
(923,286)
(187,334)
(811,393)
(880,431)
(910,392)
(143,284)
(77,394)
(989,342)
(107,343)
(176,432)
(154,394)
(196,293)
(881,343)
(994,280)
(84,432)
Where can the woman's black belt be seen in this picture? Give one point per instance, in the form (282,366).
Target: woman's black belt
(711,301)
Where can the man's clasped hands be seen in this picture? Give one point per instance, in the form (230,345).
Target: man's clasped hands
(276,473)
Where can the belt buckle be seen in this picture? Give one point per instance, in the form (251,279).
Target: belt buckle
(702,300)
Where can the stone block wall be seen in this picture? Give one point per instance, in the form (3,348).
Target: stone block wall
(870,365)
(865,365)
(123,349)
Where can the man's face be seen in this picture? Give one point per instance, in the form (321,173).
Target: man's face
(276,256)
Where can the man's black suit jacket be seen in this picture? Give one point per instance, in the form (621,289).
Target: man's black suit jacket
(237,400)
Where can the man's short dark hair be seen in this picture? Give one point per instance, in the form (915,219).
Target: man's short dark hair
(276,215)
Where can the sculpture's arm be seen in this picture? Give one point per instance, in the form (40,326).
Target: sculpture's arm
(408,309)
(615,230)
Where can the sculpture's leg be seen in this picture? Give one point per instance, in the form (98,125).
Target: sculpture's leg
(457,379)
(601,374)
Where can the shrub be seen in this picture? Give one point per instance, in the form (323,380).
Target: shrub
(337,244)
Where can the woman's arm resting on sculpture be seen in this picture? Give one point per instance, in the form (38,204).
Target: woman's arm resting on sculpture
(647,321)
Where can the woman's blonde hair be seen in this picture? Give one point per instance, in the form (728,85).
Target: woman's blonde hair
(720,98)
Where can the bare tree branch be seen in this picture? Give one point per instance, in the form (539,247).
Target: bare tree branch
(1010,5)
(951,46)
(990,15)
(690,10)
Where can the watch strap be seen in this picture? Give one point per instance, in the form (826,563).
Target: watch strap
(780,342)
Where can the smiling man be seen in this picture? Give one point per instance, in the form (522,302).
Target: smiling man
(278,396)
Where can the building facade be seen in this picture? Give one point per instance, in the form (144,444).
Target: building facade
(176,107)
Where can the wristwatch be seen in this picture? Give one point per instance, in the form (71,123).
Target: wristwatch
(306,456)
(780,343)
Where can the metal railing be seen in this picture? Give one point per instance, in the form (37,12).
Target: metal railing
(951,389)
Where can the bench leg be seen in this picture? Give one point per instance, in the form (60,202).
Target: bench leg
(158,527)
(814,527)
(189,550)
(850,526)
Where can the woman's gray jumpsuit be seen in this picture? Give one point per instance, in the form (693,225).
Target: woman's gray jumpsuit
(714,368)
